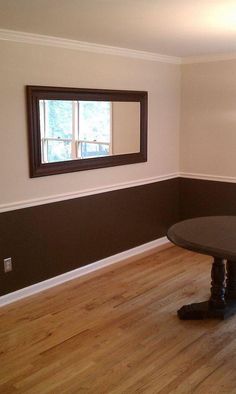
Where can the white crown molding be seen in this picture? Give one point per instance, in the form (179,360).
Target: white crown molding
(40,39)
(57,280)
(31,38)
(207,177)
(208,58)
(69,196)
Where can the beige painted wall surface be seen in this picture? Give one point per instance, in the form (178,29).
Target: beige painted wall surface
(26,64)
(208,118)
(125,127)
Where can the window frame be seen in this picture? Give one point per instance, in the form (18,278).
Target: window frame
(36,93)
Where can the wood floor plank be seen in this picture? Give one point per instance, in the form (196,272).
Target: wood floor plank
(117,332)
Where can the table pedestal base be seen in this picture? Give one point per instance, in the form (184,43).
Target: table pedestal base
(222,303)
(204,310)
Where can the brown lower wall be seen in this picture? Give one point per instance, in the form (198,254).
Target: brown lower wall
(49,240)
(206,198)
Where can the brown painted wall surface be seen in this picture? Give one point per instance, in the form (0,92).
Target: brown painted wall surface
(206,198)
(49,240)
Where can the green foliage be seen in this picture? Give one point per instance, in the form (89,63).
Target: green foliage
(59,118)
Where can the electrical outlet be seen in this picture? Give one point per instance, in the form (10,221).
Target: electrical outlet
(7,264)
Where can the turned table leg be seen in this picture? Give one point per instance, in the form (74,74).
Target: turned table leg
(217,299)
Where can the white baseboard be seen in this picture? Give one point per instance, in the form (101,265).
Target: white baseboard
(47,284)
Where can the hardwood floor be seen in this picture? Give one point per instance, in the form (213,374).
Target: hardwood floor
(118,333)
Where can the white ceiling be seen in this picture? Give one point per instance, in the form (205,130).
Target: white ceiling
(170,27)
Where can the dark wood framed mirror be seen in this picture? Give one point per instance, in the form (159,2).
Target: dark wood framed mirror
(74,129)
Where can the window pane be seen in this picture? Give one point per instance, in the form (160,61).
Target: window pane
(93,150)
(58,150)
(94,120)
(58,119)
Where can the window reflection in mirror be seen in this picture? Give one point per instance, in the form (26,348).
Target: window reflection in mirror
(75,129)
(71,130)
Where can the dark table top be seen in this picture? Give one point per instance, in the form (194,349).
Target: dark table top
(211,235)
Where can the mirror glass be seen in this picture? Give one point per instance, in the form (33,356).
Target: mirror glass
(72,130)
(77,129)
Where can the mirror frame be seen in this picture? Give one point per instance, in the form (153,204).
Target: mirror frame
(36,93)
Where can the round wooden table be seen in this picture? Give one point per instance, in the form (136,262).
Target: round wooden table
(214,236)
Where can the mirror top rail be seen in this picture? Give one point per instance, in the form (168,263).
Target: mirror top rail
(68,93)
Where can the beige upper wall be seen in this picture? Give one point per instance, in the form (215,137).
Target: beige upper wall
(26,64)
(125,127)
(208,118)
